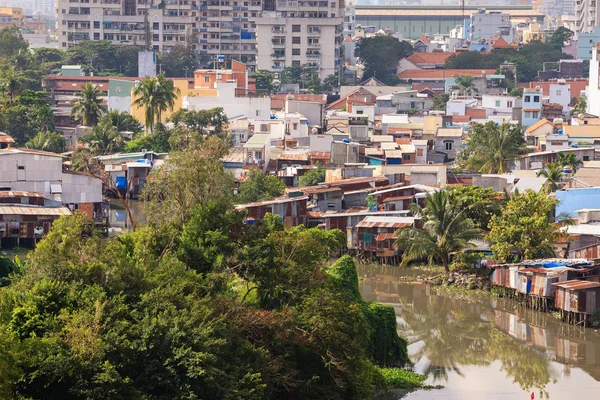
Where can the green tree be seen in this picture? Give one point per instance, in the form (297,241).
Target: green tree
(127,60)
(569,160)
(525,228)
(178,62)
(155,96)
(158,141)
(554,175)
(11,83)
(332,82)
(480,204)
(516,92)
(446,230)
(440,101)
(122,121)
(12,42)
(465,83)
(580,107)
(380,55)
(97,55)
(493,148)
(559,37)
(204,122)
(314,84)
(259,186)
(104,139)
(47,141)
(264,80)
(88,108)
(313,177)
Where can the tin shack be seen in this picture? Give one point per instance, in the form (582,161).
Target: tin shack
(577,296)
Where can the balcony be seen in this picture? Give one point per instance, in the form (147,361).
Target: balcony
(278,55)
(277,42)
(314,31)
(277,67)
(314,45)
(278,30)
(313,54)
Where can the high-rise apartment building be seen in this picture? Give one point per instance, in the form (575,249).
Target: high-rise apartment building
(587,15)
(265,34)
(169,22)
(226,27)
(299,32)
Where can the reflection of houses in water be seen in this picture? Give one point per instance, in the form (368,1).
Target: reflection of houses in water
(563,343)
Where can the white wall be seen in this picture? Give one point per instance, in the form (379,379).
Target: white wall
(593,92)
(119,103)
(501,104)
(365,110)
(251,107)
(561,94)
(311,110)
(321,143)
(81,189)
(455,107)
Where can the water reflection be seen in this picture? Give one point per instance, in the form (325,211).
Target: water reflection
(117,217)
(459,340)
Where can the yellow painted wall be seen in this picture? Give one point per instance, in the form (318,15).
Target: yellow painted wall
(13,11)
(181,84)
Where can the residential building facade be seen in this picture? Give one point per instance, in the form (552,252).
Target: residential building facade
(294,33)
(587,15)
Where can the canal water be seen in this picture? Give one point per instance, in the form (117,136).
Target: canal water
(480,347)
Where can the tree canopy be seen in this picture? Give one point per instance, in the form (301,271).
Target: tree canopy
(380,56)
(259,186)
(313,177)
(524,229)
(492,148)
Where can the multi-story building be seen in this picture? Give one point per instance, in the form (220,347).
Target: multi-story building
(485,25)
(299,32)
(127,22)
(587,15)
(349,19)
(227,28)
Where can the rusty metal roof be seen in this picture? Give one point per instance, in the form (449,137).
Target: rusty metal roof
(385,222)
(313,189)
(24,210)
(269,202)
(398,198)
(385,236)
(576,284)
(20,194)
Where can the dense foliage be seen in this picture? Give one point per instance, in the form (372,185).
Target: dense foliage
(380,56)
(446,230)
(492,148)
(480,204)
(259,186)
(529,59)
(195,305)
(313,177)
(525,229)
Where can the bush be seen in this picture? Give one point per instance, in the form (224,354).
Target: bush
(402,379)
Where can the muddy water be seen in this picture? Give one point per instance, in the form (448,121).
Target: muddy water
(481,347)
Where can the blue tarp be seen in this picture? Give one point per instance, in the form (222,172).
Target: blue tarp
(246,35)
(121,182)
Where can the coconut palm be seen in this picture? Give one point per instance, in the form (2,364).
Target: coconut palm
(122,121)
(11,83)
(569,160)
(155,96)
(47,141)
(446,230)
(493,148)
(554,175)
(104,139)
(88,108)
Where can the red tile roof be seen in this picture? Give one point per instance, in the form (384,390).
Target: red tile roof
(434,74)
(424,39)
(500,43)
(429,58)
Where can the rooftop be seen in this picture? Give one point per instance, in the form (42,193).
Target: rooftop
(385,222)
(429,58)
(258,140)
(577,285)
(25,210)
(438,74)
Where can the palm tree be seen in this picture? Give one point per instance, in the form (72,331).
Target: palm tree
(155,96)
(88,108)
(122,121)
(446,230)
(47,141)
(554,175)
(104,139)
(493,148)
(569,160)
(580,107)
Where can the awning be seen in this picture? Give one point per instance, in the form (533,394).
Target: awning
(55,188)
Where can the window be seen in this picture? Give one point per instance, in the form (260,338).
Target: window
(406,157)
(155,26)
(295,52)
(257,112)
(536,99)
(295,28)
(527,99)
(558,92)
(206,78)
(295,126)
(420,152)
(295,63)
(535,114)
(509,103)
(96,36)
(155,38)
(296,40)
(448,144)
(497,103)
(96,24)
(586,158)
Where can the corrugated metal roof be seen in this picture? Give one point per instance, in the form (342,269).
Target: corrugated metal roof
(393,154)
(269,202)
(389,145)
(286,156)
(385,222)
(23,210)
(311,190)
(577,285)
(20,194)
(398,198)
(258,140)
(385,236)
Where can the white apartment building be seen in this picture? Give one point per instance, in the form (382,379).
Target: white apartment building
(227,27)
(487,25)
(124,22)
(587,15)
(299,32)
(349,19)
(593,89)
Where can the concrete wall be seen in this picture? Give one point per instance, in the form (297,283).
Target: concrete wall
(252,107)
(312,111)
(571,200)
(81,189)
(497,183)
(342,153)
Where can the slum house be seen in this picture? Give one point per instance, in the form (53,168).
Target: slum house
(292,211)
(578,298)
(324,198)
(585,236)
(374,236)
(26,217)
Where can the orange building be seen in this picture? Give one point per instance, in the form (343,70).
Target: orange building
(207,78)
